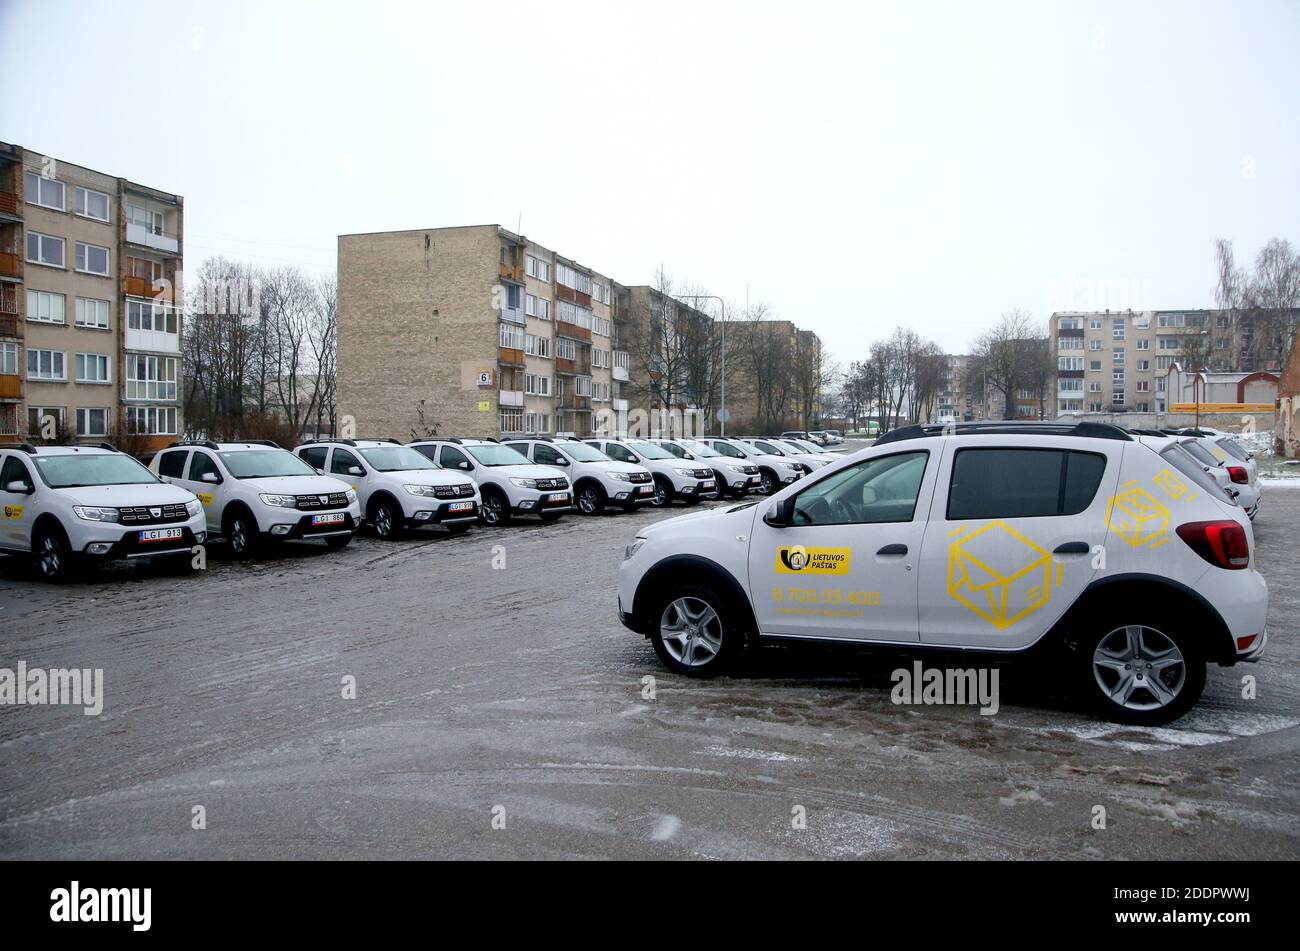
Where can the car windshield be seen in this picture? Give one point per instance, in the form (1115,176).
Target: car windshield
(1199,452)
(264,464)
(75,470)
(804,446)
(395,458)
(699,449)
(650,451)
(1232,449)
(581,452)
(497,455)
(789,445)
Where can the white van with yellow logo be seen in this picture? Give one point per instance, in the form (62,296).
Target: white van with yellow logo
(1124,559)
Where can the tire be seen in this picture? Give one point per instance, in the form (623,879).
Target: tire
(663,494)
(242,535)
(769,483)
(494,509)
(590,499)
(386,519)
(335,542)
(55,561)
(713,639)
(1137,666)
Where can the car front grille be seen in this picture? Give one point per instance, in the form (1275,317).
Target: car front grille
(330,500)
(454,491)
(153,514)
(550,485)
(703,473)
(640,476)
(750,470)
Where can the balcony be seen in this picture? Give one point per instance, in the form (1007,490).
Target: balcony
(565,329)
(509,272)
(510,357)
(619,406)
(10,326)
(572,296)
(574,403)
(511,398)
(11,386)
(579,367)
(9,205)
(11,265)
(622,361)
(151,238)
(144,287)
(153,341)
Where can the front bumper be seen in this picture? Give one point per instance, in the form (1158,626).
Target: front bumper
(544,503)
(443,515)
(696,489)
(633,493)
(306,528)
(131,543)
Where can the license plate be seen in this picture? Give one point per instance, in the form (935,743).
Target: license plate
(647,490)
(333,518)
(461,507)
(707,486)
(755,480)
(557,497)
(160,534)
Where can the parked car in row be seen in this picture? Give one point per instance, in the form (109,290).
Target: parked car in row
(398,488)
(597,479)
(674,479)
(774,472)
(981,540)
(1232,476)
(66,506)
(787,449)
(256,494)
(734,477)
(509,483)
(800,434)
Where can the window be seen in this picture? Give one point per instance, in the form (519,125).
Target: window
(14,471)
(144,315)
(203,463)
(92,422)
(573,314)
(512,420)
(44,249)
(1069,406)
(1171,320)
(150,378)
(1144,386)
(1071,323)
(92,313)
(450,458)
(566,349)
(546,456)
(172,464)
(582,386)
(45,308)
(1069,343)
(512,296)
(45,192)
(1144,364)
(1171,343)
(1117,328)
(883,489)
(1094,386)
(1047,482)
(1094,344)
(152,421)
(92,259)
(314,456)
(151,221)
(342,462)
(1094,365)
(1144,344)
(44,420)
(1163,363)
(1144,407)
(1118,355)
(92,204)
(92,368)
(512,336)
(544,347)
(1069,363)
(1094,407)
(46,365)
(537,268)
(1071,386)
(1117,377)
(570,278)
(1117,398)
(600,292)
(9,358)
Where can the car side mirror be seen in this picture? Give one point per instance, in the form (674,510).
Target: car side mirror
(781,515)
(633,459)
(356,470)
(210,477)
(868,495)
(20,487)
(320,471)
(466,466)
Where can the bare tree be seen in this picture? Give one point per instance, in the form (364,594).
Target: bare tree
(1003,358)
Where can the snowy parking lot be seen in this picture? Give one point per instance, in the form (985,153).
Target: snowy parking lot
(476,697)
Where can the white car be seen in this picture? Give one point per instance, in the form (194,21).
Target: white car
(735,477)
(674,479)
(1232,477)
(774,472)
(597,479)
(69,505)
(787,449)
(397,487)
(508,483)
(1124,565)
(1234,450)
(255,494)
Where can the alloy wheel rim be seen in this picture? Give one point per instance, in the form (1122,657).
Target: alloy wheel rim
(587,501)
(237,537)
(691,631)
(661,495)
(1139,668)
(49,557)
(383,521)
(491,510)
(766,485)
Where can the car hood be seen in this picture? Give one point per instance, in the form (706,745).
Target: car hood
(742,514)
(441,477)
(527,472)
(297,485)
(613,466)
(124,496)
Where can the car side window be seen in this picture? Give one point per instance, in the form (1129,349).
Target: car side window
(1022,483)
(342,461)
(617,452)
(883,489)
(728,450)
(451,458)
(13,471)
(545,455)
(172,464)
(675,449)
(201,463)
(315,456)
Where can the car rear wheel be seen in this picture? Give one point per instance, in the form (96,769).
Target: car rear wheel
(695,632)
(1145,671)
(494,510)
(591,500)
(54,558)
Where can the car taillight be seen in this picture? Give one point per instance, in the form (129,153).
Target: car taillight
(1238,474)
(1220,543)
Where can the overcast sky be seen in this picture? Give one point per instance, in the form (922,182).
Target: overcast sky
(854,165)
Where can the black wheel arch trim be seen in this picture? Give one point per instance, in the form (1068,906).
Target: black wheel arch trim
(1222,648)
(696,569)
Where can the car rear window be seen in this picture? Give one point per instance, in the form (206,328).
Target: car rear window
(1184,462)
(1232,449)
(1022,483)
(172,464)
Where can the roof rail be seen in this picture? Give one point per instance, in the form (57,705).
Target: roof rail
(261,442)
(108,446)
(27,448)
(205,443)
(1005,428)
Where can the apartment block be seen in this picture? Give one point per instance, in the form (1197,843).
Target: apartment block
(90,335)
(471,331)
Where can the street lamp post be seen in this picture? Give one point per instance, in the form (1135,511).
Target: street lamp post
(722,411)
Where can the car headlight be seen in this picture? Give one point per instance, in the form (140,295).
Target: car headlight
(525,483)
(740,469)
(633,548)
(96,513)
(280,501)
(620,476)
(351,496)
(194,507)
(425,490)
(793,465)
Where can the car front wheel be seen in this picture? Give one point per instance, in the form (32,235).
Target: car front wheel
(591,501)
(767,485)
(1142,671)
(494,510)
(241,533)
(695,633)
(54,558)
(663,495)
(386,520)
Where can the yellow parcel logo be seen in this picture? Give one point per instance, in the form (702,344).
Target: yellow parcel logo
(999,574)
(1138,517)
(798,560)
(13,511)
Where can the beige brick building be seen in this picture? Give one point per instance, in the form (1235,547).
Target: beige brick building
(90,339)
(470,331)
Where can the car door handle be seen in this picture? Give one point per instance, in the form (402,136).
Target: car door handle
(893,550)
(1072,548)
